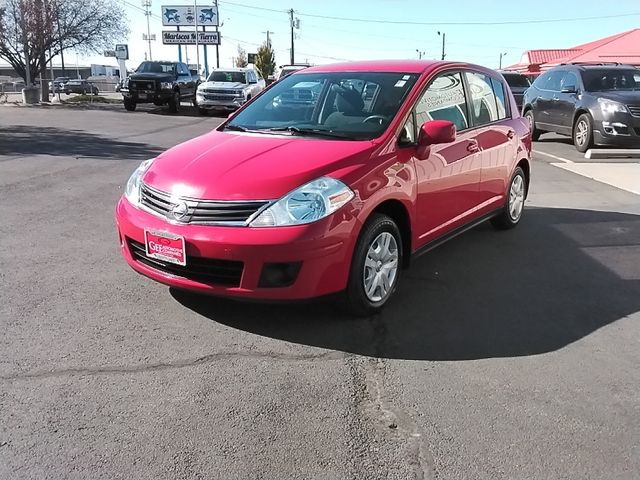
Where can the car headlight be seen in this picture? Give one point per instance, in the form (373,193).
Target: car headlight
(132,189)
(308,203)
(166,85)
(609,106)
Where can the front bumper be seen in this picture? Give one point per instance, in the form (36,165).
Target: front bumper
(618,129)
(322,249)
(162,96)
(223,102)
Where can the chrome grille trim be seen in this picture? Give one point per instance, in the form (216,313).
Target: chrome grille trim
(201,212)
(634,109)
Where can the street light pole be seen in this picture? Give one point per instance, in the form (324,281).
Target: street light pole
(218,24)
(195,8)
(501,55)
(420,54)
(443,40)
(291,21)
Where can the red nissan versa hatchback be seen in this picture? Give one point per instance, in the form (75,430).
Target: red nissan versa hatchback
(329,181)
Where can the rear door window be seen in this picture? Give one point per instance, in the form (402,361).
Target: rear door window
(483,103)
(502,102)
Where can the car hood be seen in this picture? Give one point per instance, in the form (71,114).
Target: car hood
(626,96)
(242,166)
(152,76)
(223,85)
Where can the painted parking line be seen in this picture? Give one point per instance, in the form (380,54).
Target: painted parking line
(556,157)
(625,176)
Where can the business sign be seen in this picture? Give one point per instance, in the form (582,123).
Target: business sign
(122,51)
(189,16)
(189,38)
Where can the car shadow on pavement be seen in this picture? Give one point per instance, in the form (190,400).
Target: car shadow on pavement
(559,276)
(186,110)
(31,140)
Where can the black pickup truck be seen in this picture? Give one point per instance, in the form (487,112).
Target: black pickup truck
(160,83)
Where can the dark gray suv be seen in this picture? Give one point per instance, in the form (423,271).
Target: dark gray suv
(594,104)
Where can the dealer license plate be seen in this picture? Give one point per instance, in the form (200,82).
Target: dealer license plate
(165,246)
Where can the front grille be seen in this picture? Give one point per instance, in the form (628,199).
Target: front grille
(634,109)
(208,96)
(200,211)
(227,273)
(219,91)
(142,85)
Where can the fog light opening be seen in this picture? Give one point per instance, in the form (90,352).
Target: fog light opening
(278,275)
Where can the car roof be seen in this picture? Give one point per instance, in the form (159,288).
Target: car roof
(234,69)
(596,66)
(392,66)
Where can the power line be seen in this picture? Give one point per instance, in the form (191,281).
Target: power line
(405,22)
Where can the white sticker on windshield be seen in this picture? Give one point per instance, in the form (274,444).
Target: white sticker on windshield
(406,77)
(400,83)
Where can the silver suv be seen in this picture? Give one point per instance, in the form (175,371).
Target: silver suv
(228,89)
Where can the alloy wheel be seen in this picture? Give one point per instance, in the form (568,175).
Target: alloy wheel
(516,198)
(582,132)
(380,267)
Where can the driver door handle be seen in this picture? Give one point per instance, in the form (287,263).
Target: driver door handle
(473,147)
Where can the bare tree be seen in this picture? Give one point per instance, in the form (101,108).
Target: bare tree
(265,60)
(241,60)
(44,28)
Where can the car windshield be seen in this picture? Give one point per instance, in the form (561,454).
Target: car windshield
(601,80)
(348,105)
(231,77)
(156,67)
(516,80)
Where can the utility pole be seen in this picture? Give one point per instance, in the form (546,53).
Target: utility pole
(147,5)
(268,32)
(293,57)
(501,55)
(443,37)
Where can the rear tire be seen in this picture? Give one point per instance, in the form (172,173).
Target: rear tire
(535,133)
(511,213)
(174,103)
(583,133)
(129,105)
(375,267)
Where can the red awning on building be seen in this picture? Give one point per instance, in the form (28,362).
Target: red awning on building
(620,48)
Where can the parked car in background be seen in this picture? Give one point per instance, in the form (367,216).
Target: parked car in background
(160,83)
(336,195)
(518,84)
(594,104)
(57,86)
(228,89)
(80,86)
(289,69)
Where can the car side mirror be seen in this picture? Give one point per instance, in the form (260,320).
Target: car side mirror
(569,89)
(434,132)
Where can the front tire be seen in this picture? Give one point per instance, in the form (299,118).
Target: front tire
(129,104)
(375,266)
(513,209)
(535,133)
(583,133)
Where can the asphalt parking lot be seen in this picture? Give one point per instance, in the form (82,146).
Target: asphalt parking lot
(506,355)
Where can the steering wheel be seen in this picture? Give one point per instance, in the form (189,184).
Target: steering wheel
(379,118)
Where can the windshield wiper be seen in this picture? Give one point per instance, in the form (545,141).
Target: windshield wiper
(236,128)
(311,132)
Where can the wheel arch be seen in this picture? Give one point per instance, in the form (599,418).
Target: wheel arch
(397,210)
(526,168)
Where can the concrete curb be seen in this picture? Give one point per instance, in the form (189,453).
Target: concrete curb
(594,153)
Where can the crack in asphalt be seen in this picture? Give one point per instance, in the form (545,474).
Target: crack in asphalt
(368,377)
(331,355)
